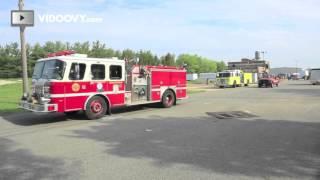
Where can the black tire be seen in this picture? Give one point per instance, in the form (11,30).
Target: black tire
(234,84)
(168,99)
(96,108)
(263,84)
(248,82)
(271,85)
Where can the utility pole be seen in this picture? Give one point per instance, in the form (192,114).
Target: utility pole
(263,54)
(23,57)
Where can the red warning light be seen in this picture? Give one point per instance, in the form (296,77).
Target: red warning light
(61,53)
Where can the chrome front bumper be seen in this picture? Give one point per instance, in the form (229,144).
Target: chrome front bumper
(45,108)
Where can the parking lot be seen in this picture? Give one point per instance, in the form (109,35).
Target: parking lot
(241,133)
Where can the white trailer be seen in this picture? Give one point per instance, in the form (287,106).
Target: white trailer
(207,77)
(315,76)
(210,76)
(192,77)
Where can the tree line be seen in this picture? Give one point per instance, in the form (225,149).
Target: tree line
(10,57)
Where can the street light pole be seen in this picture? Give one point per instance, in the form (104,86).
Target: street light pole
(23,57)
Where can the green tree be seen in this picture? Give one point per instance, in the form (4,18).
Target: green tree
(207,66)
(49,47)
(99,50)
(36,53)
(156,60)
(81,48)
(221,66)
(146,58)
(118,54)
(10,56)
(192,62)
(197,64)
(128,54)
(168,60)
(10,60)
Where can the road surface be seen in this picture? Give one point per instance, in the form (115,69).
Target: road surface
(243,133)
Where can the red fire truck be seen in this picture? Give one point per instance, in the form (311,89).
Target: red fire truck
(68,82)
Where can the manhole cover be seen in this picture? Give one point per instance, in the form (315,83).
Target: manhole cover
(231,115)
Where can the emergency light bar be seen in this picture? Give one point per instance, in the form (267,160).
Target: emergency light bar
(61,53)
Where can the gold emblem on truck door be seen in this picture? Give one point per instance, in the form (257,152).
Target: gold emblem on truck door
(75,87)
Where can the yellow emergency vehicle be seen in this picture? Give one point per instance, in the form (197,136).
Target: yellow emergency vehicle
(235,78)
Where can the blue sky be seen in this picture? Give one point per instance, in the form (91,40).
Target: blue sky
(219,29)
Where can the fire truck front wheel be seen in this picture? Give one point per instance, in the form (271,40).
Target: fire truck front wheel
(234,84)
(96,108)
(168,99)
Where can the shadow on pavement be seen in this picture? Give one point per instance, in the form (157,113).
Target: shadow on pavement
(301,84)
(30,119)
(136,108)
(258,148)
(21,164)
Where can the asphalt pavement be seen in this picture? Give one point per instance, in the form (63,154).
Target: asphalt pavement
(242,133)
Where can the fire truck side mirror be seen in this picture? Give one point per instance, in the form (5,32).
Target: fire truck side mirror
(141,73)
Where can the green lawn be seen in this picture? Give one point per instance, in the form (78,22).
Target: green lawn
(195,82)
(10,95)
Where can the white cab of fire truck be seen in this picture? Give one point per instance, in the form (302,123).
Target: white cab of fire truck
(62,82)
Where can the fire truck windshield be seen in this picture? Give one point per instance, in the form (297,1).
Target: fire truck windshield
(222,75)
(51,69)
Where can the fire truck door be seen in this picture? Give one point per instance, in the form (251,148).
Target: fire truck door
(242,77)
(149,89)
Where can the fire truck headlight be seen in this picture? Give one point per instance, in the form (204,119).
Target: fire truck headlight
(46,90)
(47,96)
(45,100)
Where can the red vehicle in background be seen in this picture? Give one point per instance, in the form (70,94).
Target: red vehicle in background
(67,82)
(268,82)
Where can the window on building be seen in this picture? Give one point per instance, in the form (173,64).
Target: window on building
(98,72)
(115,72)
(77,71)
